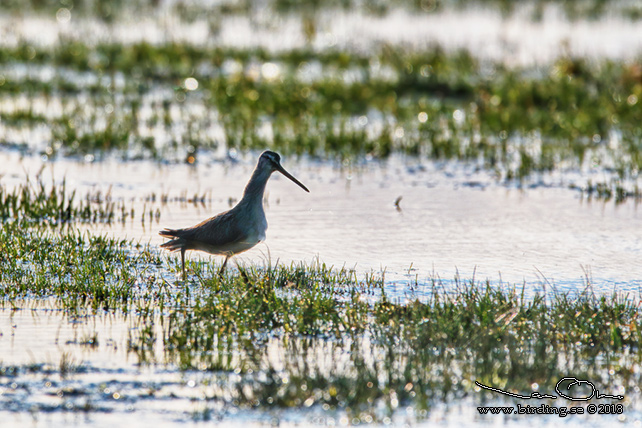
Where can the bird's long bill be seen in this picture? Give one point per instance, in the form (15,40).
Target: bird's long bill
(288,175)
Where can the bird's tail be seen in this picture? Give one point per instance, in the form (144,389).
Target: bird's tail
(175,244)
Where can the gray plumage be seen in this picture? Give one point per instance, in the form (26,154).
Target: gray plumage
(234,231)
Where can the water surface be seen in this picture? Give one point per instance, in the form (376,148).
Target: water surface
(449,221)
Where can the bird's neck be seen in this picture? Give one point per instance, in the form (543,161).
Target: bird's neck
(256,186)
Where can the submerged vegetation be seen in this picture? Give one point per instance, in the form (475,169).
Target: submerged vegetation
(375,351)
(189,11)
(312,336)
(173,100)
(297,336)
(332,104)
(56,205)
(304,336)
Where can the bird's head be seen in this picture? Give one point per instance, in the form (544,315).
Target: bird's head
(272,160)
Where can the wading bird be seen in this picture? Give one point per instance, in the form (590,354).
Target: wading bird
(237,230)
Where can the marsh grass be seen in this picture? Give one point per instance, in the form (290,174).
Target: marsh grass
(54,205)
(314,336)
(189,12)
(81,271)
(37,202)
(520,123)
(340,349)
(298,336)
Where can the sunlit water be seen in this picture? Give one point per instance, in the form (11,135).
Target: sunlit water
(525,36)
(103,385)
(448,221)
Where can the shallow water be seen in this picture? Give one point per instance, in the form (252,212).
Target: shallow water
(516,38)
(449,222)
(104,385)
(103,380)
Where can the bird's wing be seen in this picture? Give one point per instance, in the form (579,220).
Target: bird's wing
(222,229)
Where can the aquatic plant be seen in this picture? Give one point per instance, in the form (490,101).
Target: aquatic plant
(314,336)
(377,352)
(36,202)
(518,122)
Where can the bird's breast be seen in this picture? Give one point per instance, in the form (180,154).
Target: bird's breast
(261,227)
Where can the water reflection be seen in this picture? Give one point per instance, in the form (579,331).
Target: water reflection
(446,227)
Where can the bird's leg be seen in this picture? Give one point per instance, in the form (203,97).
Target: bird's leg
(243,274)
(183,262)
(220,272)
